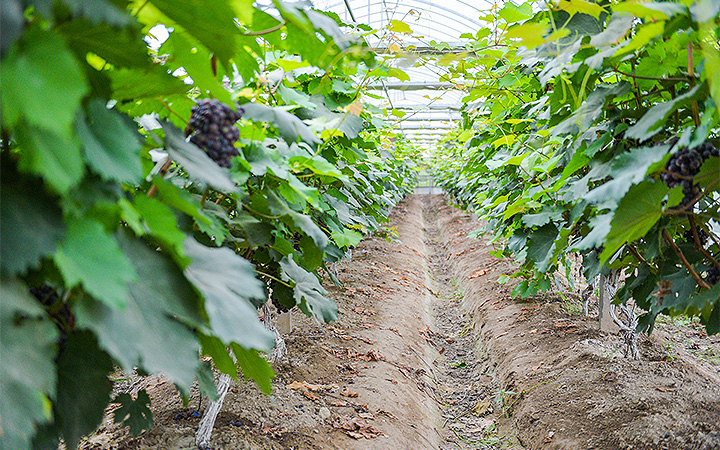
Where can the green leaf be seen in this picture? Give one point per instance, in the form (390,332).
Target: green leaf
(635,215)
(709,175)
(27,372)
(309,294)
(214,347)
(293,218)
(112,147)
(206,381)
(290,128)
(135,414)
(44,83)
(254,367)
(510,12)
(627,169)
(88,255)
(531,34)
(651,122)
(57,158)
(540,245)
(160,221)
(100,11)
(195,60)
(295,97)
(195,161)
(228,283)
(399,27)
(31,221)
(121,47)
(83,386)
(346,238)
(156,83)
(151,331)
(211,23)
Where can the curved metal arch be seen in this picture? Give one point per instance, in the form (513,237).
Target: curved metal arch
(473,23)
(453,36)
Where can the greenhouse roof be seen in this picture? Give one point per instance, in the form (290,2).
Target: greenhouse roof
(428,105)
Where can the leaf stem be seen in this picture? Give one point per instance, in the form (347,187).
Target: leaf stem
(273,278)
(263,32)
(698,279)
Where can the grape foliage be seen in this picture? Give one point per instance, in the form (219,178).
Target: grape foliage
(213,125)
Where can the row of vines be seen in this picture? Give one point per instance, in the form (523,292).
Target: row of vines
(592,128)
(166,168)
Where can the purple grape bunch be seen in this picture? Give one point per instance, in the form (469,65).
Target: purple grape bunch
(684,165)
(213,126)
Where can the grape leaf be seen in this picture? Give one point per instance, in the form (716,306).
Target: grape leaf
(650,123)
(120,47)
(157,82)
(214,347)
(88,255)
(228,283)
(309,294)
(27,372)
(83,386)
(254,367)
(540,245)
(627,169)
(195,60)
(100,11)
(160,221)
(293,218)
(44,83)
(289,126)
(135,414)
(112,147)
(211,23)
(57,158)
(31,221)
(206,381)
(151,331)
(636,213)
(195,161)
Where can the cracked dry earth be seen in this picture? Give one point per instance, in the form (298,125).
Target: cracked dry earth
(430,352)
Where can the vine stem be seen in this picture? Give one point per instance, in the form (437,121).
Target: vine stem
(641,77)
(691,73)
(698,244)
(679,253)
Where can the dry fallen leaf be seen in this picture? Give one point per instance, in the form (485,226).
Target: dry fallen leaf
(350,394)
(310,395)
(477,274)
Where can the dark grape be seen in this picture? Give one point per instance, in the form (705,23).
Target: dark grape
(713,275)
(213,125)
(702,235)
(684,165)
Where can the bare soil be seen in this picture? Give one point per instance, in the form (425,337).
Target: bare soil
(430,352)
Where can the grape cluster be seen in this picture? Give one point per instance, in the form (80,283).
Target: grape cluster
(213,125)
(684,165)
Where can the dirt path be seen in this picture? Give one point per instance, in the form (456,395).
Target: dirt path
(429,352)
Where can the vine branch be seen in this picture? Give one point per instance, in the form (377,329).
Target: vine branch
(698,279)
